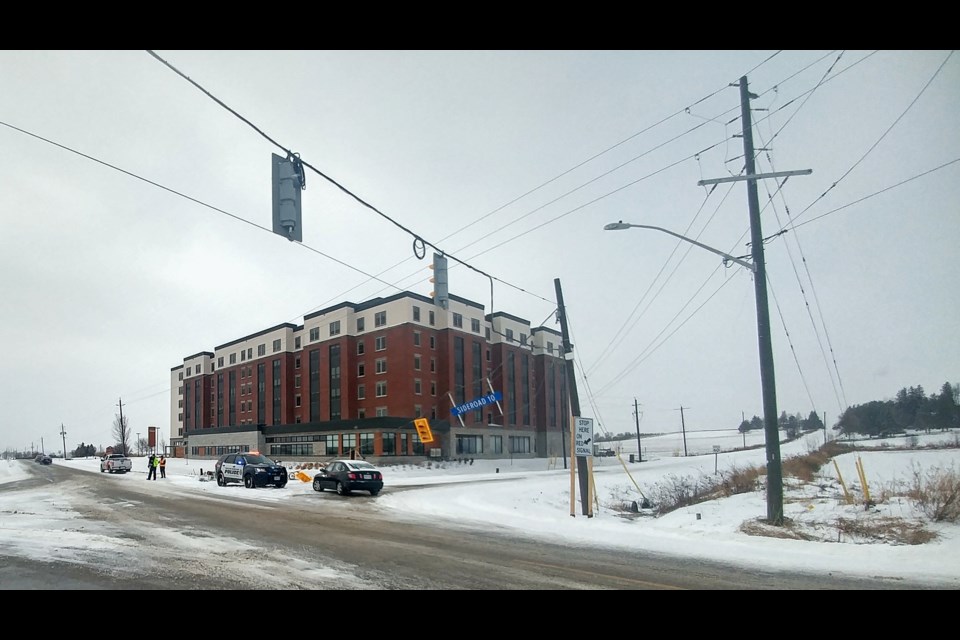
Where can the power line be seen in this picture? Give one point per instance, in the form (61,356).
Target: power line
(417,238)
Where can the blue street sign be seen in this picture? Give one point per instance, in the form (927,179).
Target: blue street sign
(473,405)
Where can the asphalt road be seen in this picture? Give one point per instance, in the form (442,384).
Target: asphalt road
(189,542)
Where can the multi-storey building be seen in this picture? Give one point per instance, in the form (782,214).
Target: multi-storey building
(353,377)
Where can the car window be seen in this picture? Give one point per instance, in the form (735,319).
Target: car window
(230,458)
(364,466)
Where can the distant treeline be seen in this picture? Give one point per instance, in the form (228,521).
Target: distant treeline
(912,408)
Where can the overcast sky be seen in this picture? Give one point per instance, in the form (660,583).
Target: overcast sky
(511,161)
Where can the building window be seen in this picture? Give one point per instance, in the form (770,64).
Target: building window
(243,356)
(431,318)
(233,358)
(403,444)
(388,444)
(474,325)
(523,339)
(416,313)
(361,369)
(359,347)
(509,334)
(359,324)
(519,444)
(335,328)
(314,334)
(366,444)
(496,444)
(188,375)
(433,342)
(262,350)
(219,362)
(488,355)
(296,342)
(381,412)
(433,388)
(381,364)
(458,320)
(380,318)
(487,332)
(361,392)
(296,381)
(417,448)
(433,365)
(382,389)
(416,362)
(549,347)
(469,444)
(276,345)
(361,414)
(296,399)
(380,343)
(417,411)
(416,338)
(296,362)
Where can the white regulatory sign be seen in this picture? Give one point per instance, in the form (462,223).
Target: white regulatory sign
(582,437)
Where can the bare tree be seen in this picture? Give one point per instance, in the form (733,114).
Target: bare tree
(121,433)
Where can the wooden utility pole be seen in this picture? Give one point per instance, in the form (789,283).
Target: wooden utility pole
(767,381)
(683,426)
(636,415)
(582,470)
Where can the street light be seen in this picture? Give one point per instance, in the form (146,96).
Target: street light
(774,470)
(621,225)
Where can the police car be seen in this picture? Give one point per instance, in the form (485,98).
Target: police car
(251,468)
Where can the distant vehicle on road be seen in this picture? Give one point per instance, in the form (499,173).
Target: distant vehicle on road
(605,453)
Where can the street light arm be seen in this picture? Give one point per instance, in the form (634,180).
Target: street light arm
(616,226)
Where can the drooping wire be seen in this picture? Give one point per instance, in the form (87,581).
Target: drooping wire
(793,351)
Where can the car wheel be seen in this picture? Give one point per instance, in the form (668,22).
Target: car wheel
(102,470)
(316,485)
(374,492)
(248,481)
(281,485)
(341,490)
(220,481)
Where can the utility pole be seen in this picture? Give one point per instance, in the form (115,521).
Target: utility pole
(636,415)
(63,434)
(139,448)
(743,418)
(122,430)
(574,398)
(767,381)
(684,427)
(42,450)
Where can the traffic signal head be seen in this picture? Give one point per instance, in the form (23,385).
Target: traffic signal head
(287,185)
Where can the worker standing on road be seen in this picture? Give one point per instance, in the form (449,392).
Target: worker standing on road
(152,463)
(163,466)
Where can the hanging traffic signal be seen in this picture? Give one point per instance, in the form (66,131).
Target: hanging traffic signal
(288,182)
(440,293)
(423,430)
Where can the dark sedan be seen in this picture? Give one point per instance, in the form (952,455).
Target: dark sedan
(345,476)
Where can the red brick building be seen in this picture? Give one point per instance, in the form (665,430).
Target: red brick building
(355,376)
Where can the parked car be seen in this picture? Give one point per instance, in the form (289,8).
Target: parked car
(344,476)
(252,468)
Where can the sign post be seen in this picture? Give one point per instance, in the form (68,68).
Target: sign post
(581,441)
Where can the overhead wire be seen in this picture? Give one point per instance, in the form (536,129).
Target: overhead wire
(417,237)
(770,198)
